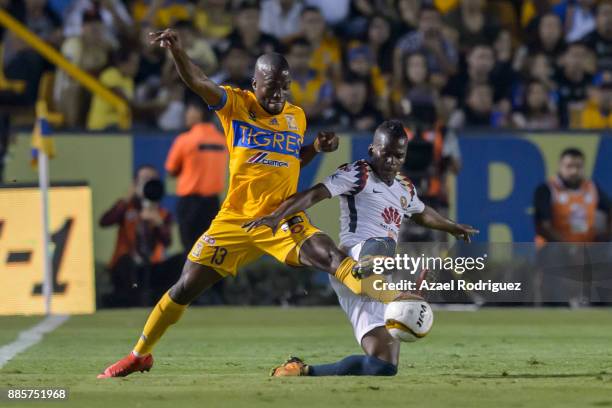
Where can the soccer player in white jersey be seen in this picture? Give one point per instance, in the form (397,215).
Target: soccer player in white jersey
(374,198)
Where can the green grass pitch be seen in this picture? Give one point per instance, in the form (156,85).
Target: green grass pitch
(220,357)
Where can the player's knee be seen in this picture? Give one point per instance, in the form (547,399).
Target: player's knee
(380,367)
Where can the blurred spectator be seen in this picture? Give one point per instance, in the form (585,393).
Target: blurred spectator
(310,89)
(197,49)
(120,79)
(88,51)
(360,63)
(142,238)
(478,110)
(381,43)
(114,15)
(167,108)
(416,96)
(333,11)
(577,17)
(549,38)
(540,68)
(566,205)
(159,13)
(213,19)
(198,159)
(479,70)
(235,68)
(408,12)
(572,81)
(441,54)
(353,109)
(149,75)
(471,23)
(280,18)
(537,110)
(600,40)
(361,14)
(597,114)
(246,32)
(43,21)
(327,55)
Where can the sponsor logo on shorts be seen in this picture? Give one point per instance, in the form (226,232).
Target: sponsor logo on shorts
(260,158)
(209,240)
(197,249)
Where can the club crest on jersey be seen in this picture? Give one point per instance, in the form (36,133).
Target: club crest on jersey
(260,158)
(404,202)
(291,123)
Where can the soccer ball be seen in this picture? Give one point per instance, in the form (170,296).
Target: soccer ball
(408,320)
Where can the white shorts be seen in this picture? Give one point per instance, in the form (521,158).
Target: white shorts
(364,313)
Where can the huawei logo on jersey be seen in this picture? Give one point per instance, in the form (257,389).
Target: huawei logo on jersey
(392,216)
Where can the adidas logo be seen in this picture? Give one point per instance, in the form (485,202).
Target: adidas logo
(274,122)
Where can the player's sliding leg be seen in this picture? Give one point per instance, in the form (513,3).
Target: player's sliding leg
(194,279)
(380,359)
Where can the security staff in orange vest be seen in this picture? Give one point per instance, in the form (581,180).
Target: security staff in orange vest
(198,158)
(566,205)
(431,154)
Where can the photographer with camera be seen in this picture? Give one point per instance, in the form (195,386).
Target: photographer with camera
(143,237)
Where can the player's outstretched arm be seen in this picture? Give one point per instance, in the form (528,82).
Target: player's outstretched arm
(189,72)
(294,204)
(430,218)
(324,142)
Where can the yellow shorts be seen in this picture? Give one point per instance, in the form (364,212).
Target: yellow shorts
(226,246)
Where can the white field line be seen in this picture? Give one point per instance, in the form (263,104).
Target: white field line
(30,337)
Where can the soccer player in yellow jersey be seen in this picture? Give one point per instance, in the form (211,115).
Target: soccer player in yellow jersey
(264,136)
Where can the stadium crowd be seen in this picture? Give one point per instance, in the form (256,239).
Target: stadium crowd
(521,64)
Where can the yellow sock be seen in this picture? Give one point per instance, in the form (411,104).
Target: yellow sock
(365,286)
(165,313)
(344,274)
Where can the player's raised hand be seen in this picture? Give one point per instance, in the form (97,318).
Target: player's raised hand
(267,220)
(326,142)
(465,232)
(167,38)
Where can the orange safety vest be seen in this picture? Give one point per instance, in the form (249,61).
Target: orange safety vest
(573,211)
(434,185)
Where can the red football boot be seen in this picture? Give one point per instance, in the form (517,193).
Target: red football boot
(128,365)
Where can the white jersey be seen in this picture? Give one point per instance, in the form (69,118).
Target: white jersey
(368,206)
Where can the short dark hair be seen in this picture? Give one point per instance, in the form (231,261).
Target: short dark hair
(394,128)
(246,5)
(572,152)
(122,55)
(297,42)
(428,7)
(310,9)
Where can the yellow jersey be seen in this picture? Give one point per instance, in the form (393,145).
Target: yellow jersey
(264,153)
